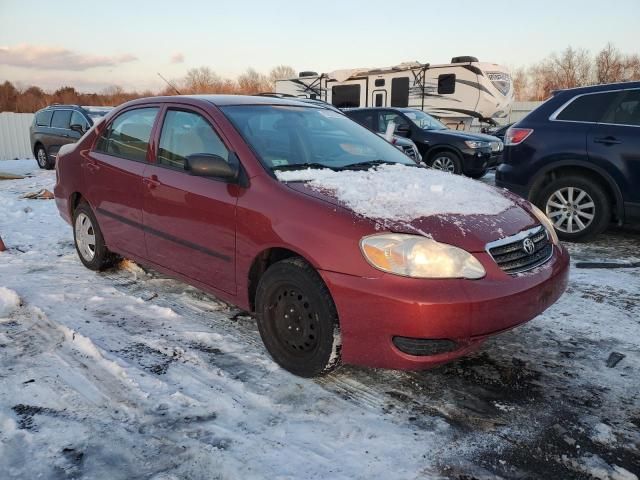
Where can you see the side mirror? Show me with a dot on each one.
(210, 165)
(403, 130)
(76, 127)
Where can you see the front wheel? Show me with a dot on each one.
(446, 162)
(89, 241)
(297, 319)
(578, 207)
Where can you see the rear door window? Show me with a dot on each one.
(187, 133)
(588, 108)
(365, 118)
(61, 119)
(128, 135)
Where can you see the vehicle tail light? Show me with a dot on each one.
(516, 136)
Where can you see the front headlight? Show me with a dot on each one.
(476, 144)
(419, 257)
(544, 220)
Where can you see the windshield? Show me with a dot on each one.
(424, 121)
(288, 137)
(95, 113)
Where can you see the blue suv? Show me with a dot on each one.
(577, 157)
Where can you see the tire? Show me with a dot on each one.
(446, 161)
(297, 319)
(42, 157)
(477, 175)
(89, 241)
(579, 207)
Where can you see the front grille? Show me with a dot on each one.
(510, 254)
(409, 151)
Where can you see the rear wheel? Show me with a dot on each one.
(297, 319)
(446, 162)
(89, 241)
(43, 158)
(578, 207)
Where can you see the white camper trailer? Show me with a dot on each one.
(456, 93)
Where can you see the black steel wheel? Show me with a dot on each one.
(297, 319)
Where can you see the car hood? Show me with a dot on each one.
(460, 135)
(469, 232)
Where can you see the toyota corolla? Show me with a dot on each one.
(344, 248)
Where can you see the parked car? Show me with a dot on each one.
(58, 125)
(402, 143)
(388, 266)
(499, 131)
(577, 157)
(440, 147)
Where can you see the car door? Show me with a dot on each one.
(190, 221)
(615, 139)
(113, 172)
(58, 132)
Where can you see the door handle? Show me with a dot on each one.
(92, 166)
(607, 140)
(151, 182)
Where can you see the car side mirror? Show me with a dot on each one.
(210, 165)
(76, 127)
(403, 130)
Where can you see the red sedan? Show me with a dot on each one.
(345, 249)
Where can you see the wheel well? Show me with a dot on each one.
(260, 264)
(35, 147)
(565, 171)
(435, 150)
(74, 201)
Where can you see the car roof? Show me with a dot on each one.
(226, 100)
(603, 87)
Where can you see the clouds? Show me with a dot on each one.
(54, 58)
(177, 58)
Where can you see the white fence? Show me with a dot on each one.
(14, 135)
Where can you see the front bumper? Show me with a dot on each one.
(477, 160)
(374, 311)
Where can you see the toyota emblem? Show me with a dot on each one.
(528, 246)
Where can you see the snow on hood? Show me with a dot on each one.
(402, 193)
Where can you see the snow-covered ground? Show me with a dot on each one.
(128, 374)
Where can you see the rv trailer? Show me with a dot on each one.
(457, 93)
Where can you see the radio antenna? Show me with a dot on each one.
(169, 83)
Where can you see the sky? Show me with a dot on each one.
(93, 45)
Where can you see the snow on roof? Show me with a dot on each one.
(403, 193)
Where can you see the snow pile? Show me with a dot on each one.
(9, 302)
(398, 192)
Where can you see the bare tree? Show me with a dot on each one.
(281, 72)
(520, 84)
(252, 81)
(609, 65)
(202, 80)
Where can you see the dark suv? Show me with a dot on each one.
(441, 148)
(58, 125)
(577, 157)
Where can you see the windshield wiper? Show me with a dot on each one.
(367, 165)
(302, 166)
